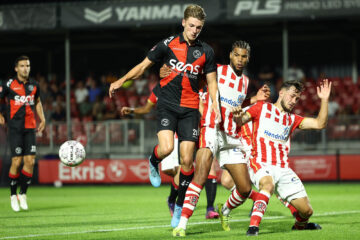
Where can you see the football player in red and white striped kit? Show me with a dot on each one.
(222, 139)
(269, 166)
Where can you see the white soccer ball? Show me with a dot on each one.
(72, 153)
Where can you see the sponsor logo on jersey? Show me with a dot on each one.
(280, 137)
(182, 67)
(20, 100)
(9, 82)
(168, 40)
(229, 101)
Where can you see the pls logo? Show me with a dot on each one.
(97, 17)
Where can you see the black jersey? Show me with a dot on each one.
(188, 63)
(21, 102)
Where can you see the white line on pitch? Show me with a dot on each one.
(166, 226)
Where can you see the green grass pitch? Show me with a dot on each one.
(140, 212)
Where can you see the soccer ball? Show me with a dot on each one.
(72, 153)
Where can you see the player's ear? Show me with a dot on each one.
(183, 22)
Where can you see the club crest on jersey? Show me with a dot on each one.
(31, 87)
(240, 99)
(286, 131)
(197, 54)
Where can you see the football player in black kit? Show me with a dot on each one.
(23, 98)
(178, 103)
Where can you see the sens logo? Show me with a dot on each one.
(19, 100)
(181, 67)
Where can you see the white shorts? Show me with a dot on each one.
(171, 161)
(287, 184)
(208, 139)
(230, 150)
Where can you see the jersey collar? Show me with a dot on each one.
(182, 39)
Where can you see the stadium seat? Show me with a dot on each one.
(353, 131)
(337, 132)
(116, 133)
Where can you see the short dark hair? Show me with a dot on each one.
(241, 44)
(296, 83)
(21, 58)
(195, 11)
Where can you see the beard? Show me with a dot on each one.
(286, 109)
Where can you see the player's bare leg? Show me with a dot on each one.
(227, 181)
(241, 178)
(186, 175)
(14, 179)
(162, 150)
(304, 212)
(211, 188)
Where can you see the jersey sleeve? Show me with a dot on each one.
(37, 94)
(297, 121)
(158, 52)
(255, 109)
(210, 65)
(152, 98)
(2, 90)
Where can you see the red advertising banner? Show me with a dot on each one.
(308, 168)
(349, 167)
(314, 167)
(97, 171)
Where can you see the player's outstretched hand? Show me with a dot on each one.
(237, 111)
(263, 93)
(41, 126)
(125, 111)
(164, 71)
(324, 90)
(114, 86)
(2, 119)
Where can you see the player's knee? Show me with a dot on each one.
(227, 182)
(29, 161)
(16, 161)
(167, 149)
(307, 212)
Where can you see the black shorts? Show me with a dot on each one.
(22, 142)
(184, 122)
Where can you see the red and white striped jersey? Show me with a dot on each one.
(232, 91)
(271, 134)
(246, 131)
